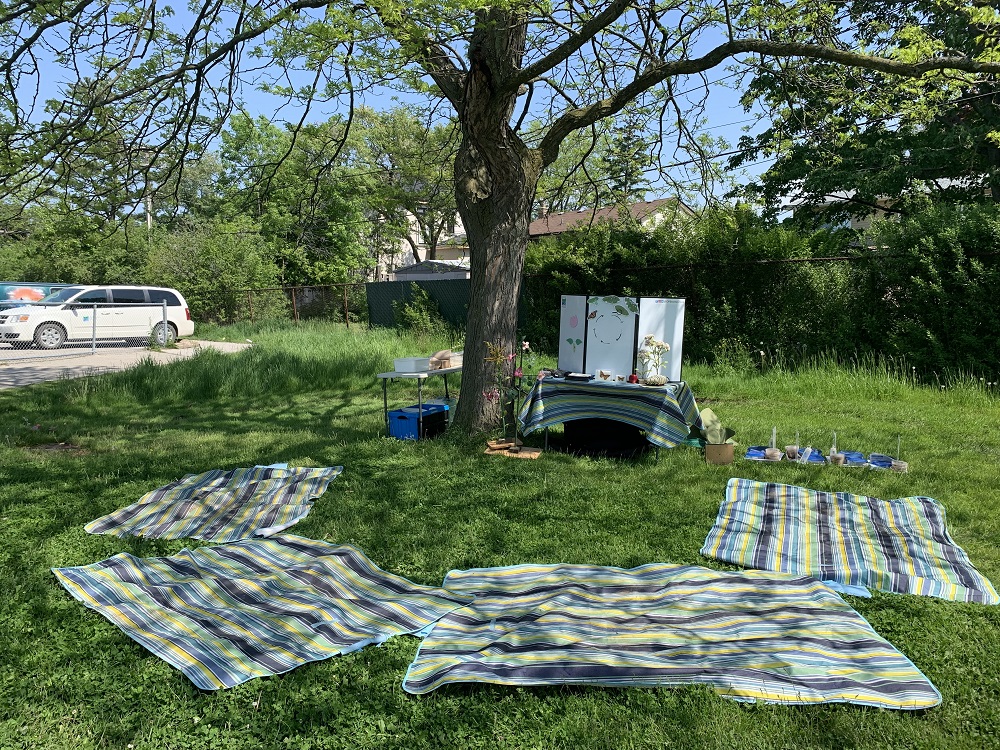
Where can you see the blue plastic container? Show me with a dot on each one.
(403, 422)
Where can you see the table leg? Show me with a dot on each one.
(385, 405)
(546, 438)
(446, 397)
(420, 408)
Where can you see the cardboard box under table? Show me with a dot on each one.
(425, 421)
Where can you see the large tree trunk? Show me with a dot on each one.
(497, 230)
(495, 180)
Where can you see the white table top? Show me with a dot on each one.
(419, 375)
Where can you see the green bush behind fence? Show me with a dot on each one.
(925, 290)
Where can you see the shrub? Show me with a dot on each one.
(211, 263)
(934, 283)
(420, 314)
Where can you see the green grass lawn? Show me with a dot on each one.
(70, 679)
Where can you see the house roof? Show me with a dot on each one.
(435, 266)
(564, 221)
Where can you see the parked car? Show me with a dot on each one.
(79, 313)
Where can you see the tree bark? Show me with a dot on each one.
(495, 180)
(497, 230)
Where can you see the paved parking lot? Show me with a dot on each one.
(26, 366)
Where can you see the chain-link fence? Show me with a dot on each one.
(338, 303)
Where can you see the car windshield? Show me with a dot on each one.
(61, 295)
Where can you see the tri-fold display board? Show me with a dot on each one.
(605, 333)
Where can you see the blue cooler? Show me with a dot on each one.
(403, 422)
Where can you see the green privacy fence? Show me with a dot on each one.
(451, 296)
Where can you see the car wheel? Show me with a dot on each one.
(50, 336)
(158, 337)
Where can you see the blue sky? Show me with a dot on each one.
(724, 115)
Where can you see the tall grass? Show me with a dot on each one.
(287, 359)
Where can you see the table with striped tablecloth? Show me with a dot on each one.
(666, 412)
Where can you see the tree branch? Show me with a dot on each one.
(432, 56)
(561, 53)
(658, 72)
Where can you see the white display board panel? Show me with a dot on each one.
(572, 332)
(664, 319)
(610, 335)
(605, 332)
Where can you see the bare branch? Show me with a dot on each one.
(658, 72)
(561, 53)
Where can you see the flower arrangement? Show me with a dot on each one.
(652, 355)
(506, 388)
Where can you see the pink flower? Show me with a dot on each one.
(511, 356)
(493, 394)
(525, 346)
(518, 373)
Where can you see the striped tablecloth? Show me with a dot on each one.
(750, 636)
(221, 506)
(666, 413)
(851, 541)
(224, 615)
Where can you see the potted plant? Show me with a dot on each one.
(719, 441)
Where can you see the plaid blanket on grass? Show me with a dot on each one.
(750, 636)
(851, 541)
(221, 506)
(224, 615)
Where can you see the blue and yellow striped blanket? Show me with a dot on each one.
(224, 615)
(750, 636)
(851, 541)
(221, 506)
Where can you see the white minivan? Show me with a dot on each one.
(81, 313)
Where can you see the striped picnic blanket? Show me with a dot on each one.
(851, 541)
(750, 636)
(666, 413)
(221, 506)
(224, 615)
